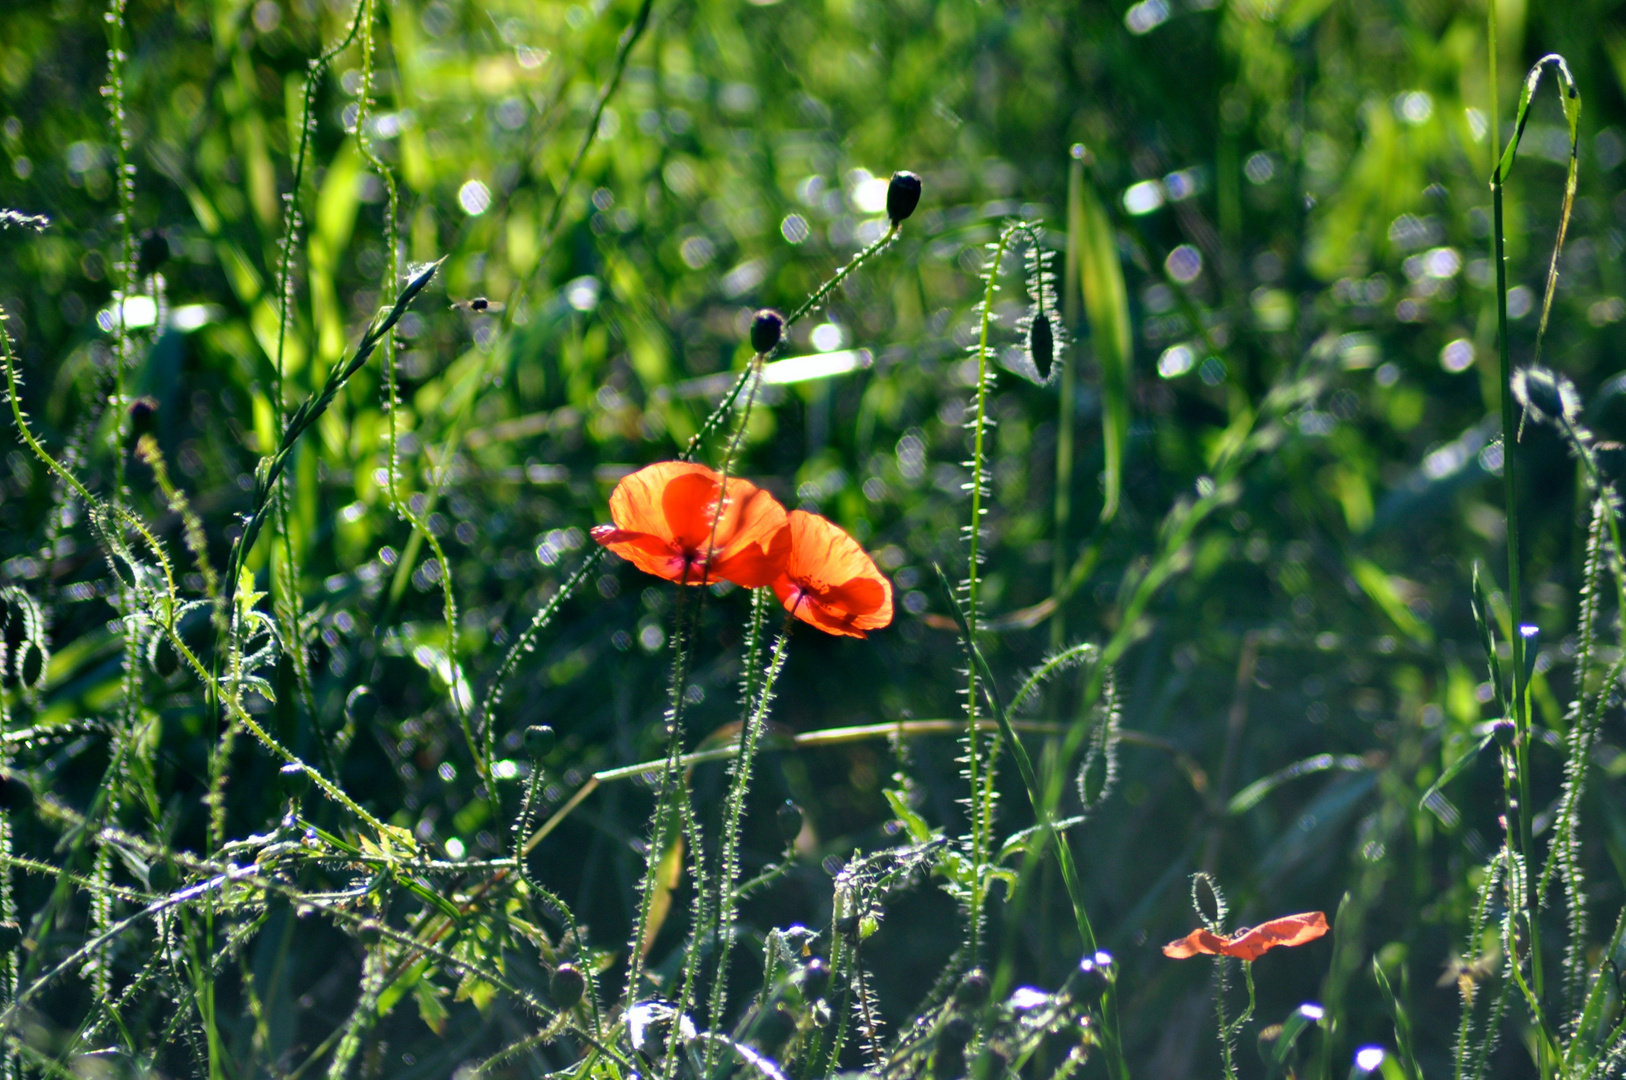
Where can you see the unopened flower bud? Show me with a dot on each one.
(1504, 732)
(539, 741)
(973, 990)
(1544, 394)
(566, 986)
(152, 253)
(295, 781)
(143, 415)
(789, 819)
(902, 196)
(361, 706)
(815, 977)
(1042, 345)
(767, 326)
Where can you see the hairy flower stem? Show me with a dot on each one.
(672, 788)
(980, 803)
(728, 870)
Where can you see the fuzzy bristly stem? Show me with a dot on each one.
(728, 869)
(1112, 1040)
(981, 812)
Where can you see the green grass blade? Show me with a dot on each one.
(1106, 305)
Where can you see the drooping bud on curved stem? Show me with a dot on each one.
(902, 196)
(767, 327)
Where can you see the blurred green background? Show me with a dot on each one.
(1307, 179)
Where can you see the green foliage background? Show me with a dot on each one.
(1337, 155)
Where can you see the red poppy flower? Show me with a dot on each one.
(830, 582)
(668, 523)
(1288, 930)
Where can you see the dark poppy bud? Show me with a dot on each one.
(1042, 345)
(1611, 460)
(361, 706)
(539, 740)
(11, 936)
(15, 795)
(371, 932)
(152, 253)
(767, 326)
(789, 819)
(815, 977)
(902, 196)
(972, 993)
(566, 986)
(949, 1061)
(143, 415)
(1546, 395)
(295, 781)
(957, 1032)
(1504, 732)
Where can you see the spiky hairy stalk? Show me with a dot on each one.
(757, 699)
(979, 811)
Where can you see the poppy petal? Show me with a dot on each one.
(1286, 931)
(830, 582)
(753, 564)
(636, 504)
(648, 553)
(1199, 941)
(689, 503)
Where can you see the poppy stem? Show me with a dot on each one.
(728, 870)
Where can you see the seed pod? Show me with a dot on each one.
(972, 993)
(539, 741)
(566, 986)
(361, 706)
(789, 819)
(1505, 733)
(767, 326)
(1042, 346)
(152, 253)
(15, 794)
(902, 196)
(295, 781)
(371, 932)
